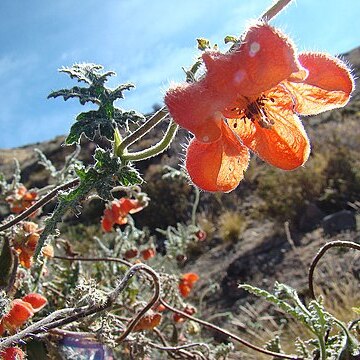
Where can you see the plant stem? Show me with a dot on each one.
(319, 255)
(274, 10)
(141, 131)
(228, 333)
(156, 149)
(195, 205)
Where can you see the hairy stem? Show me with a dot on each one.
(157, 149)
(141, 131)
(319, 255)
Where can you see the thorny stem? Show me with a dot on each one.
(156, 149)
(229, 334)
(39, 204)
(141, 131)
(319, 255)
(274, 10)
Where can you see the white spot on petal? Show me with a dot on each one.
(254, 48)
(205, 139)
(239, 76)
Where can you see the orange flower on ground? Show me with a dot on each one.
(21, 200)
(116, 212)
(21, 310)
(187, 282)
(12, 353)
(25, 242)
(250, 99)
(149, 321)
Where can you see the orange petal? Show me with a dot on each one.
(264, 59)
(37, 301)
(284, 145)
(184, 290)
(328, 85)
(12, 353)
(193, 106)
(190, 277)
(217, 166)
(19, 313)
(148, 322)
(130, 206)
(106, 224)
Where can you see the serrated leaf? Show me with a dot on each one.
(129, 177)
(84, 94)
(89, 123)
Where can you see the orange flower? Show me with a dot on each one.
(21, 200)
(148, 253)
(117, 211)
(187, 282)
(250, 99)
(25, 242)
(20, 311)
(12, 353)
(148, 321)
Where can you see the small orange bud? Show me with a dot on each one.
(148, 321)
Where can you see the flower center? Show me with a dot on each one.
(256, 112)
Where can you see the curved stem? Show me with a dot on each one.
(158, 148)
(229, 334)
(274, 10)
(141, 131)
(39, 204)
(319, 255)
(149, 305)
(79, 258)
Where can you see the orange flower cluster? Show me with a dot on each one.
(250, 98)
(21, 310)
(187, 282)
(21, 200)
(25, 242)
(12, 353)
(116, 212)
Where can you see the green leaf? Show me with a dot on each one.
(128, 176)
(231, 39)
(203, 44)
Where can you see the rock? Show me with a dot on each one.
(339, 221)
(311, 218)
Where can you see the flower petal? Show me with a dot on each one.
(194, 107)
(285, 144)
(37, 301)
(264, 59)
(217, 166)
(328, 85)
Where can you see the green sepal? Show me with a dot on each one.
(203, 44)
(230, 39)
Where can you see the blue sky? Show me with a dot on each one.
(145, 42)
